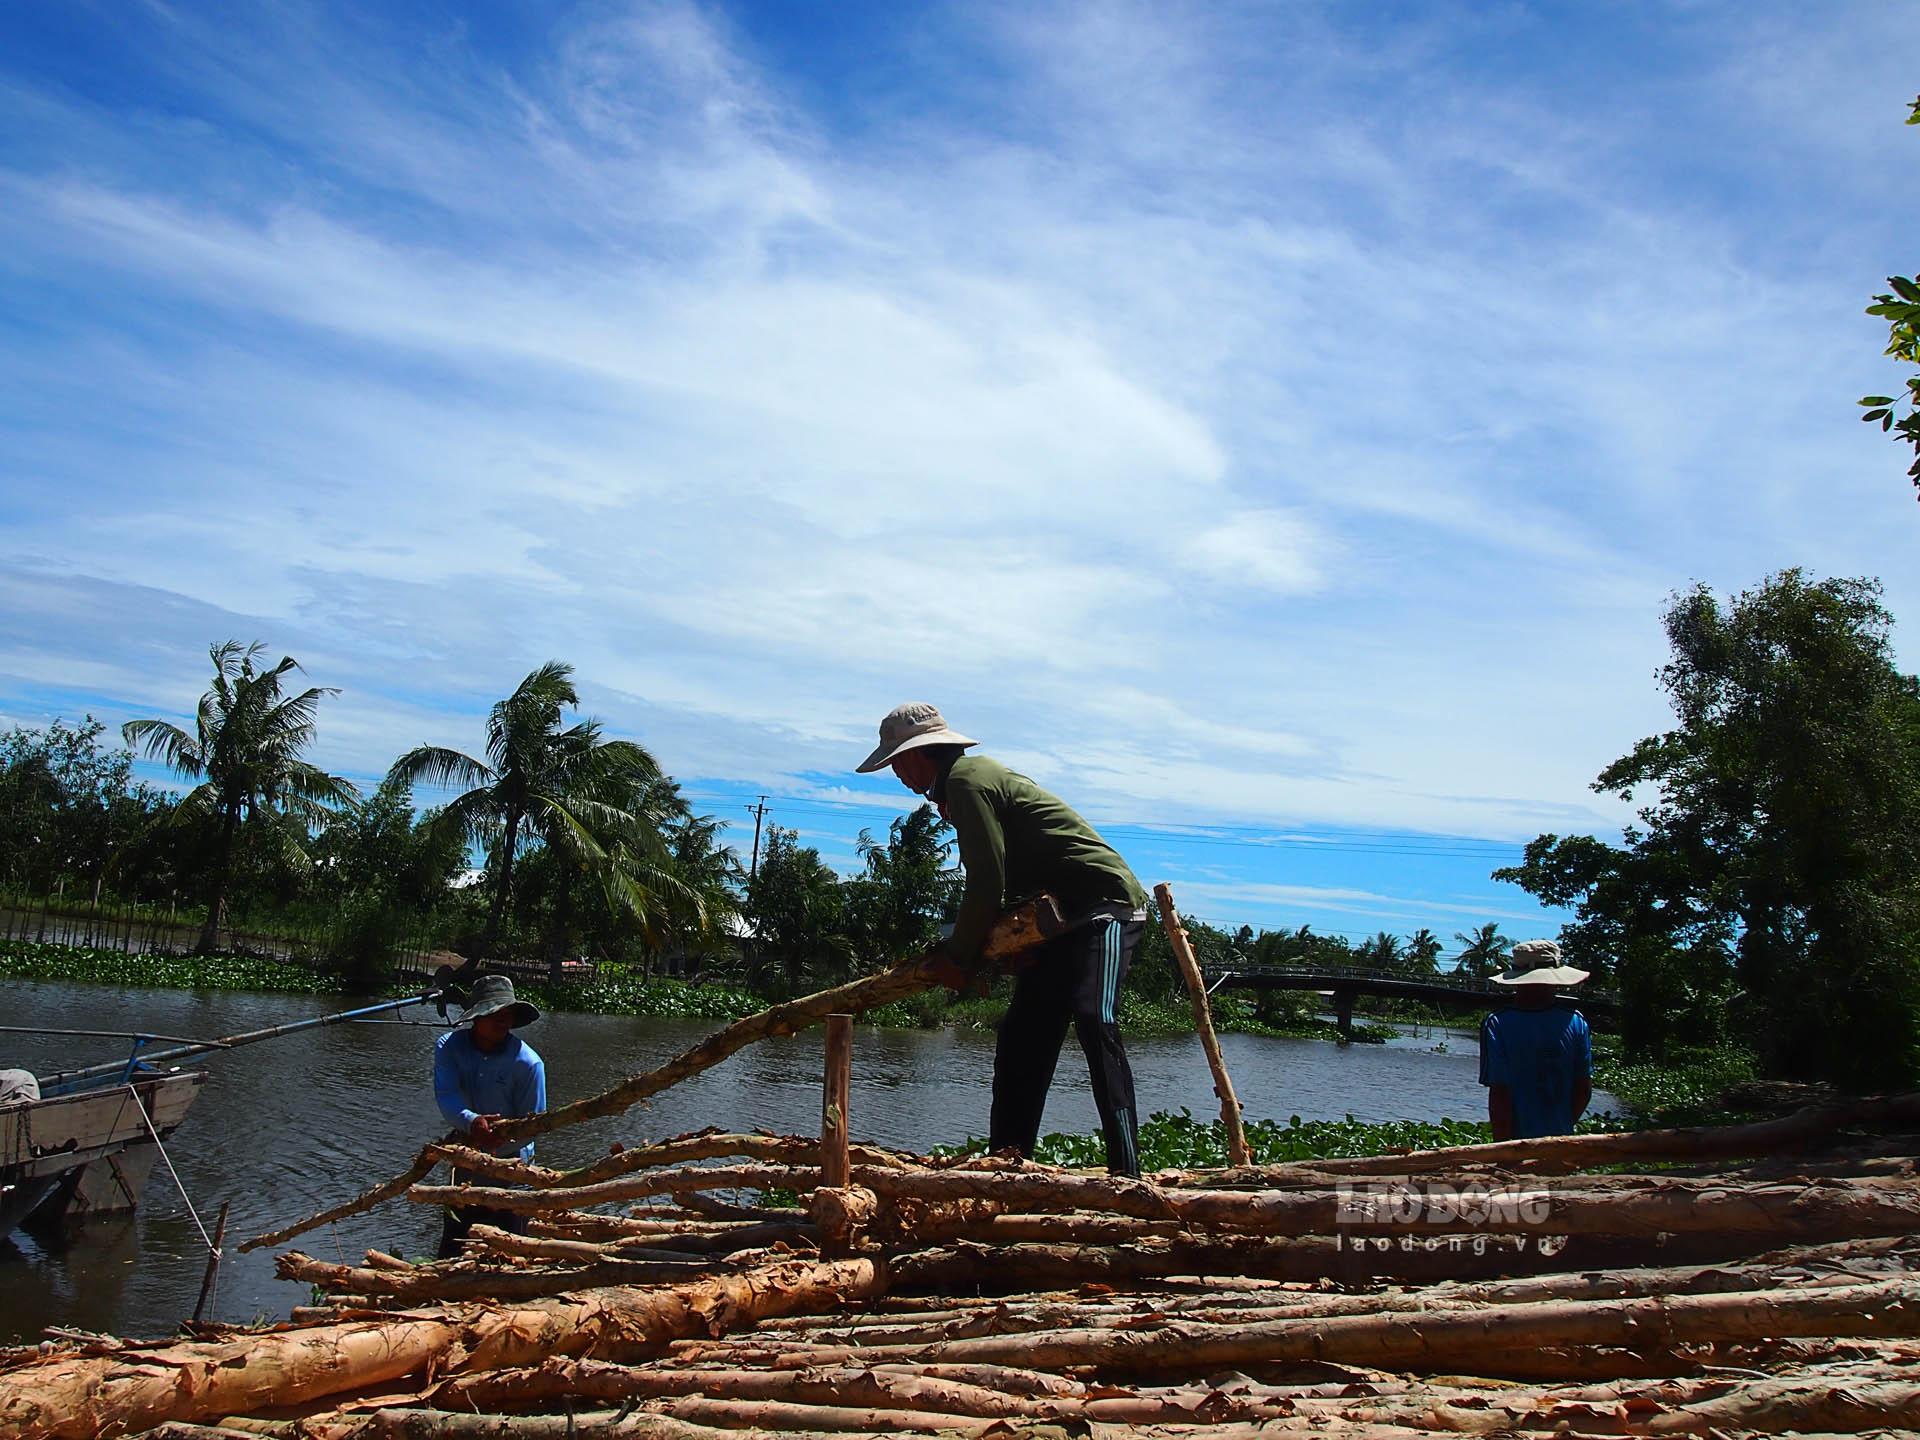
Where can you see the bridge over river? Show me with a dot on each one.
(1451, 992)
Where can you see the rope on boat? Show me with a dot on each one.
(212, 1249)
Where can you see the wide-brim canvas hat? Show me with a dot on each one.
(908, 727)
(1537, 962)
(491, 995)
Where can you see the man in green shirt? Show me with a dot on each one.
(1017, 840)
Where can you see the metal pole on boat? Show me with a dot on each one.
(72, 1079)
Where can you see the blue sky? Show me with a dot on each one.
(1277, 427)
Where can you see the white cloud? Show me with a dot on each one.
(1216, 440)
(1261, 549)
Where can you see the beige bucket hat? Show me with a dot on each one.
(491, 995)
(908, 727)
(1537, 962)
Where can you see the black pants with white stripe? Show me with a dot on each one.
(1076, 978)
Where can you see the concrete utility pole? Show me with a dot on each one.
(757, 811)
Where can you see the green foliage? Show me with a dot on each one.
(895, 908)
(583, 797)
(246, 751)
(1900, 308)
(72, 818)
(1683, 1092)
(798, 913)
(1771, 892)
(1485, 952)
(1180, 1142)
(24, 960)
(620, 992)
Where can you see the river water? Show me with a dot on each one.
(288, 1126)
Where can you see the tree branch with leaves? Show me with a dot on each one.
(1900, 308)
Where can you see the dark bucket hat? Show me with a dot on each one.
(492, 994)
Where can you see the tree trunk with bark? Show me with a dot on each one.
(78, 1398)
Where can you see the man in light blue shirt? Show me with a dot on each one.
(1536, 1057)
(483, 1074)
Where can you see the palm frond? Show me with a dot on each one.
(556, 822)
(473, 819)
(166, 742)
(439, 766)
(310, 782)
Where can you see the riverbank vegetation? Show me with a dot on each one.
(1765, 905)
(1769, 897)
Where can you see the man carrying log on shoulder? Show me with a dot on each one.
(1536, 1056)
(483, 1073)
(1017, 840)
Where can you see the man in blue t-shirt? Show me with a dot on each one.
(483, 1073)
(1536, 1056)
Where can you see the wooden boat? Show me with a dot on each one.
(84, 1149)
(70, 1158)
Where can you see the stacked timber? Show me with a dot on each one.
(1756, 1279)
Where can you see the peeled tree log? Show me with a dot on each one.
(1217, 1261)
(1809, 1268)
(79, 1397)
(462, 1281)
(685, 1179)
(1823, 1211)
(911, 1394)
(1493, 1341)
(837, 1385)
(1013, 934)
(681, 1150)
(1560, 1154)
(483, 1240)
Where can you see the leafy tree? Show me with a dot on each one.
(798, 916)
(245, 751)
(1423, 952)
(379, 868)
(1901, 310)
(1773, 881)
(69, 808)
(896, 906)
(1382, 952)
(562, 785)
(1485, 952)
(707, 869)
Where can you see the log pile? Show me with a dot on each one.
(1576, 1286)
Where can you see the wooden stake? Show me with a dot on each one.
(1237, 1152)
(835, 1166)
(213, 1262)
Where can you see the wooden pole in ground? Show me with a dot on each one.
(1237, 1152)
(835, 1165)
(213, 1261)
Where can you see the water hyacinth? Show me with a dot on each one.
(29, 960)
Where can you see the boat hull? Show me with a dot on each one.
(71, 1158)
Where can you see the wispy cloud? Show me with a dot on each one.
(1234, 415)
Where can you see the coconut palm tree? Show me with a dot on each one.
(245, 751)
(1382, 952)
(1423, 952)
(564, 785)
(1485, 952)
